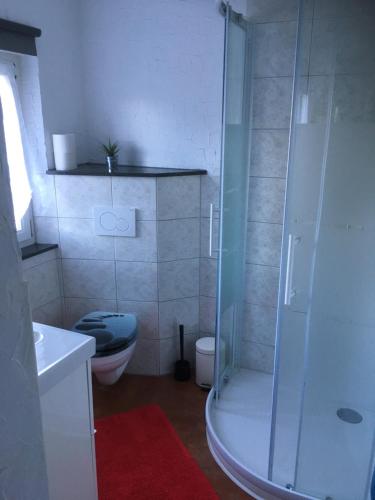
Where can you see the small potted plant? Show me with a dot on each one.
(111, 150)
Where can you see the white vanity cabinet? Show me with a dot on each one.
(64, 373)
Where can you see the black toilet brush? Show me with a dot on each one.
(182, 366)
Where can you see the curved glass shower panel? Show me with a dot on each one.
(324, 408)
(306, 154)
(233, 195)
(338, 412)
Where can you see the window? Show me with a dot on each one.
(14, 132)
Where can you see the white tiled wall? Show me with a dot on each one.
(275, 32)
(155, 275)
(43, 275)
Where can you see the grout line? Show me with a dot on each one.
(114, 254)
(243, 339)
(271, 129)
(200, 253)
(113, 299)
(157, 273)
(131, 261)
(137, 220)
(59, 262)
(281, 21)
(273, 77)
(46, 304)
(265, 222)
(267, 177)
(28, 266)
(262, 265)
(174, 300)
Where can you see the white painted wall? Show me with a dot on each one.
(22, 463)
(59, 58)
(153, 80)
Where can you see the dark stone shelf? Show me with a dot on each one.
(36, 249)
(127, 171)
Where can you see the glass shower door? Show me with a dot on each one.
(324, 403)
(338, 407)
(233, 194)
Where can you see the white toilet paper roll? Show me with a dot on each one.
(64, 148)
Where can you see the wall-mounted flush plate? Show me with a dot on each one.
(118, 221)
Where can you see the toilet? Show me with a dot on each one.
(115, 336)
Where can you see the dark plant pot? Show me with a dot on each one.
(111, 163)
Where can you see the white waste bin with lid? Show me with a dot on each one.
(205, 361)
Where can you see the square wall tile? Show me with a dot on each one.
(272, 102)
(178, 239)
(92, 279)
(343, 8)
(178, 279)
(260, 324)
(262, 284)
(77, 195)
(257, 357)
(274, 49)
(145, 360)
(170, 352)
(205, 237)
(178, 312)
(46, 229)
(44, 198)
(178, 197)
(43, 283)
(208, 277)
(147, 317)
(262, 11)
(75, 309)
(41, 258)
(264, 243)
(210, 193)
(207, 314)
(50, 313)
(266, 200)
(269, 153)
(265, 11)
(139, 193)
(79, 241)
(142, 248)
(136, 281)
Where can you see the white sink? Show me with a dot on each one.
(38, 337)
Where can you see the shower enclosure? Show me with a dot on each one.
(307, 429)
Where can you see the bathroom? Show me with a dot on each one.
(235, 222)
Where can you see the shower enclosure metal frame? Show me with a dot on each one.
(229, 348)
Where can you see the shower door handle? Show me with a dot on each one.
(211, 249)
(290, 292)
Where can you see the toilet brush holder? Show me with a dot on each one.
(182, 366)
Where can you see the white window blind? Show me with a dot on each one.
(15, 142)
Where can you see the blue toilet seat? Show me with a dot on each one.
(113, 332)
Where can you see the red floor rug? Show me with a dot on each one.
(140, 457)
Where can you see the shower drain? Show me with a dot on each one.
(350, 416)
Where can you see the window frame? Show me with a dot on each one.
(25, 235)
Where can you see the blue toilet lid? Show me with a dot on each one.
(113, 332)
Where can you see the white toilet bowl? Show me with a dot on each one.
(110, 368)
(115, 335)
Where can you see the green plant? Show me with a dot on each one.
(111, 149)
